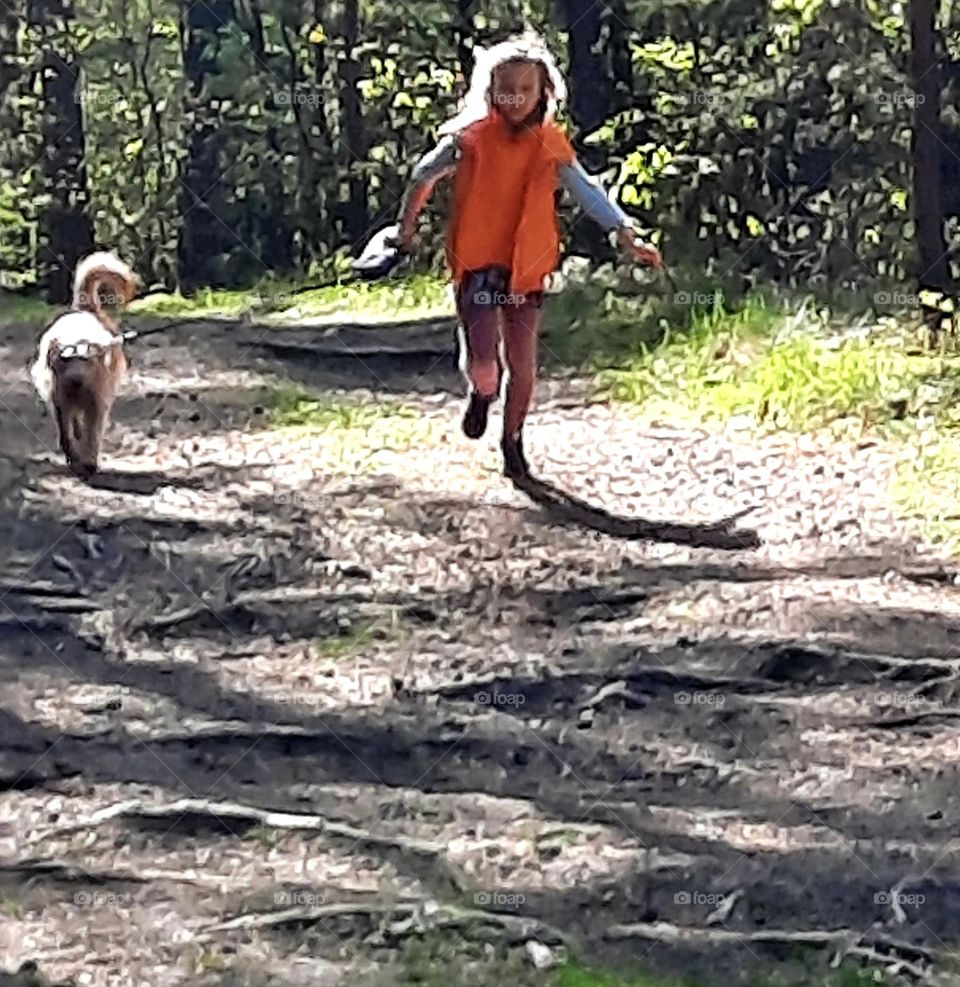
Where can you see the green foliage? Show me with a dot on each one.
(768, 140)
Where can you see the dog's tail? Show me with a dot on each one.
(103, 274)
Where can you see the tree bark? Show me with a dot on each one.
(10, 70)
(353, 135)
(591, 95)
(590, 85)
(66, 231)
(465, 34)
(933, 269)
(205, 236)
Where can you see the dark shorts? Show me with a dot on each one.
(491, 286)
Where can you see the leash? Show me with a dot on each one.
(129, 335)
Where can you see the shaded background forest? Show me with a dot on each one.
(217, 142)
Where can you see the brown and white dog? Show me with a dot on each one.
(80, 362)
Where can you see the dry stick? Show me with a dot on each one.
(448, 915)
(612, 690)
(69, 871)
(667, 932)
(274, 820)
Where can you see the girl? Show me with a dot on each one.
(506, 155)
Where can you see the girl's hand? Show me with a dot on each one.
(641, 252)
(406, 241)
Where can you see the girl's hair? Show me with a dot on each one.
(525, 48)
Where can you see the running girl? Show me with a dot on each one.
(507, 156)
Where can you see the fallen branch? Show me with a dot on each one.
(847, 941)
(235, 811)
(430, 913)
(613, 690)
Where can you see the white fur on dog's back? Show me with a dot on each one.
(105, 261)
(69, 329)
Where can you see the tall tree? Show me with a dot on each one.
(66, 230)
(353, 136)
(10, 69)
(465, 33)
(591, 93)
(205, 236)
(932, 251)
(590, 85)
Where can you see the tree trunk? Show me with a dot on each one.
(590, 85)
(205, 236)
(465, 34)
(591, 92)
(353, 134)
(10, 70)
(933, 269)
(66, 231)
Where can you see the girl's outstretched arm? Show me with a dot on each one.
(589, 195)
(434, 166)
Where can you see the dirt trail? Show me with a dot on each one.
(288, 709)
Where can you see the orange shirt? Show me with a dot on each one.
(504, 207)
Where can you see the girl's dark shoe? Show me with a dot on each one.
(514, 461)
(475, 417)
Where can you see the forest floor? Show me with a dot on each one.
(336, 704)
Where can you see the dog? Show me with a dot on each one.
(80, 361)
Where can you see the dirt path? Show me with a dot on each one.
(330, 708)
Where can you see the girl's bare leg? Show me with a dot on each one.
(521, 336)
(479, 357)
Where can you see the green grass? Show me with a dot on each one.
(293, 407)
(346, 645)
(24, 310)
(360, 437)
(796, 371)
(573, 975)
(417, 297)
(577, 976)
(925, 489)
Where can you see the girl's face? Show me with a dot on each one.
(517, 90)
